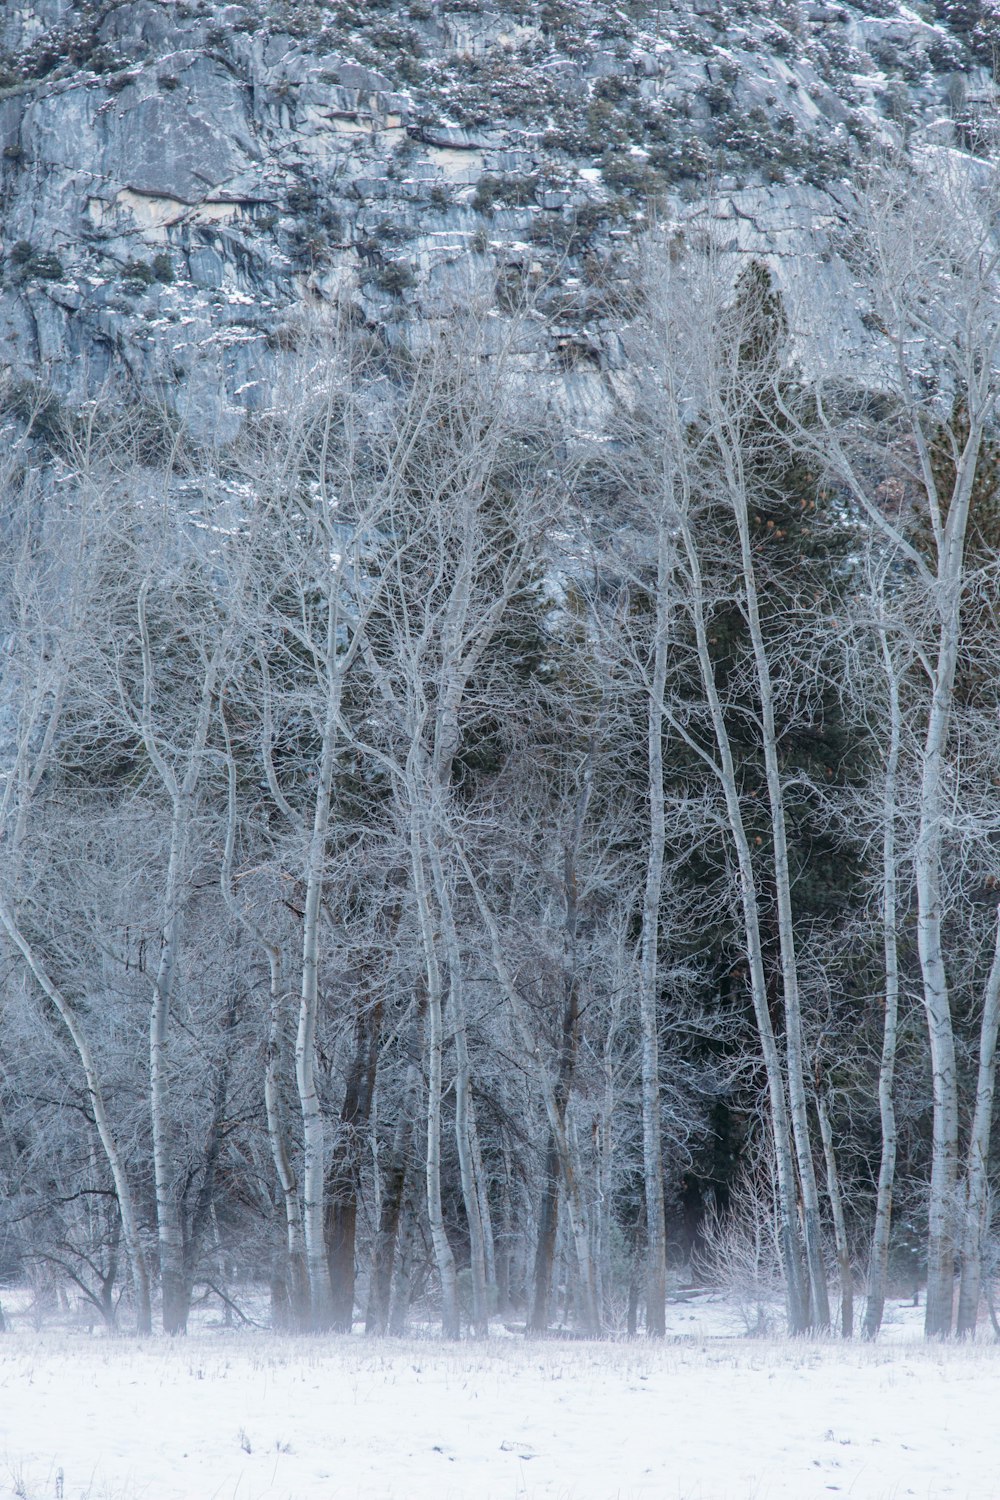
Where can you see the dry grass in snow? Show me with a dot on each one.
(225, 1416)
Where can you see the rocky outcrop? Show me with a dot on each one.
(181, 183)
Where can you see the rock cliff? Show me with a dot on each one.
(181, 181)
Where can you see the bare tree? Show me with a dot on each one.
(923, 247)
(709, 365)
(49, 591)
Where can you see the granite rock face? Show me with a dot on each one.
(184, 185)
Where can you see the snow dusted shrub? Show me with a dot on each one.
(739, 1256)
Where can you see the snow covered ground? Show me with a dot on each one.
(252, 1416)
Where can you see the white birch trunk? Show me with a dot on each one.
(578, 1209)
(463, 1097)
(298, 1268)
(879, 1261)
(652, 1148)
(839, 1222)
(331, 668)
(939, 1312)
(977, 1166)
(443, 1254)
(938, 1319)
(604, 1149)
(313, 1132)
(485, 1213)
(181, 792)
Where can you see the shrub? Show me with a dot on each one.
(137, 276)
(29, 264)
(394, 277)
(629, 174)
(571, 233)
(301, 199)
(46, 266)
(494, 192)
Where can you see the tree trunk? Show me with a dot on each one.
(296, 1269)
(464, 1120)
(204, 1208)
(557, 1165)
(485, 1213)
(649, 998)
(505, 1283)
(402, 1279)
(443, 1255)
(383, 1259)
(394, 1183)
(837, 1212)
(560, 1150)
(879, 1262)
(578, 1213)
(295, 1275)
(939, 1312)
(604, 1155)
(977, 1166)
(545, 1245)
(313, 1132)
(794, 1047)
(182, 799)
(168, 1210)
(173, 1283)
(314, 1145)
(344, 1178)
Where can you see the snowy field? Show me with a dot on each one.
(251, 1416)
